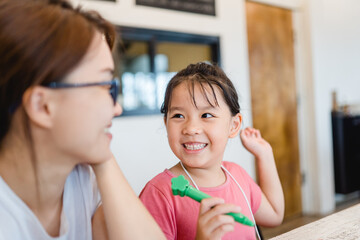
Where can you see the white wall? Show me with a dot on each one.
(327, 58)
(335, 44)
(140, 143)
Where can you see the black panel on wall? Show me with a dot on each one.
(346, 145)
(206, 7)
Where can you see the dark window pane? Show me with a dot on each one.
(137, 80)
(146, 60)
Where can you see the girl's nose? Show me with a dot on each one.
(192, 127)
(117, 109)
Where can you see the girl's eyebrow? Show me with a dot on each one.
(204, 108)
(175, 109)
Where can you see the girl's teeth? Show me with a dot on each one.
(106, 130)
(194, 146)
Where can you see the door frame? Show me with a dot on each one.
(312, 197)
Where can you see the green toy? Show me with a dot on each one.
(180, 186)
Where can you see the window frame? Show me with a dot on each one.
(152, 38)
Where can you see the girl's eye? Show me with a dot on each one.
(207, 115)
(178, 115)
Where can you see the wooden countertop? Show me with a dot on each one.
(341, 225)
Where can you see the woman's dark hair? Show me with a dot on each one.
(41, 41)
(205, 75)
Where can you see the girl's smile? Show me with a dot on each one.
(194, 147)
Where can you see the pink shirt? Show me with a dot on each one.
(177, 216)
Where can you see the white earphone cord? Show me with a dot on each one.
(247, 202)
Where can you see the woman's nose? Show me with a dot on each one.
(192, 127)
(117, 109)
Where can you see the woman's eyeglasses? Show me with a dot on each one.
(114, 86)
(114, 89)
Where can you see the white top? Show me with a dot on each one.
(80, 200)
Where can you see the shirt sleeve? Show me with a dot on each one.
(255, 193)
(160, 208)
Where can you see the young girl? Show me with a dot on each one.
(201, 112)
(57, 101)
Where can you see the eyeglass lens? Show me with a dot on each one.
(114, 90)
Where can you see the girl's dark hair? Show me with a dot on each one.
(41, 41)
(205, 75)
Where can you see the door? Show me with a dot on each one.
(273, 93)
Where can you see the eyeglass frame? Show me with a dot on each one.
(114, 86)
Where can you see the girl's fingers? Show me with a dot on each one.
(220, 209)
(250, 132)
(205, 206)
(222, 230)
(218, 221)
(212, 219)
(245, 133)
(208, 203)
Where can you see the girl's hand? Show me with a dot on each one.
(254, 143)
(213, 223)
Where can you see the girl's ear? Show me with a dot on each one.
(235, 125)
(36, 105)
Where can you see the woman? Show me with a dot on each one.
(57, 100)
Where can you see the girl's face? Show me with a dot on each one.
(83, 115)
(198, 135)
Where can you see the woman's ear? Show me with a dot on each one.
(36, 105)
(235, 125)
